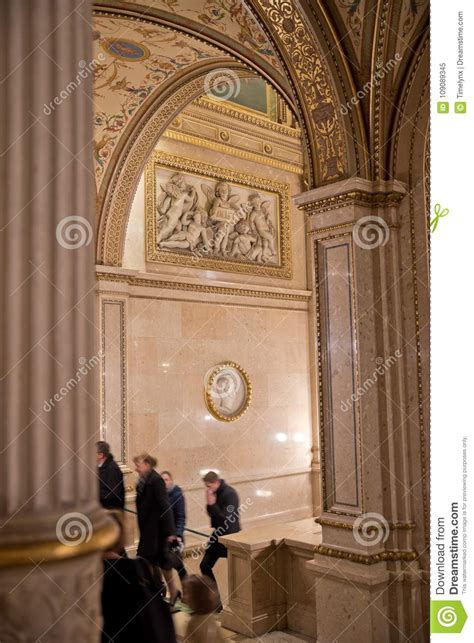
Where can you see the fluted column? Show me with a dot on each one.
(373, 523)
(51, 527)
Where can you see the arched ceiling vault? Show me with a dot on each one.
(322, 57)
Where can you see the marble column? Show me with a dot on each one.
(368, 580)
(51, 526)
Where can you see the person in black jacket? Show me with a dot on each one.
(155, 520)
(111, 488)
(222, 504)
(178, 505)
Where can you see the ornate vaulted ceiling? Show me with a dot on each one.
(318, 54)
(232, 18)
(136, 58)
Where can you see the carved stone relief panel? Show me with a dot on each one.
(216, 218)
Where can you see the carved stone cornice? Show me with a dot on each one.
(170, 284)
(246, 117)
(232, 150)
(380, 200)
(364, 559)
(355, 191)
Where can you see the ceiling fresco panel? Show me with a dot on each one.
(230, 17)
(134, 59)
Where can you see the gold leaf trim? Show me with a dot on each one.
(364, 559)
(54, 550)
(212, 408)
(233, 151)
(337, 524)
(212, 290)
(355, 197)
(245, 117)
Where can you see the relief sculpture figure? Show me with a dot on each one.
(177, 199)
(260, 223)
(239, 226)
(194, 231)
(223, 212)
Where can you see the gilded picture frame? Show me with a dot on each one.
(248, 216)
(227, 391)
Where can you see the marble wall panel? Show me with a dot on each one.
(266, 454)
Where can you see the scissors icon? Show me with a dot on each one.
(439, 214)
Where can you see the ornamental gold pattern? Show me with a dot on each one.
(284, 18)
(201, 288)
(384, 556)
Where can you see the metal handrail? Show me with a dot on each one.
(193, 531)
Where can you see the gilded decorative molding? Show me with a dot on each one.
(338, 524)
(376, 93)
(285, 20)
(233, 150)
(423, 445)
(346, 84)
(211, 389)
(385, 556)
(340, 226)
(401, 108)
(354, 197)
(54, 550)
(236, 114)
(200, 288)
(275, 189)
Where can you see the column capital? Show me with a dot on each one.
(352, 191)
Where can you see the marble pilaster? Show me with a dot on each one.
(369, 514)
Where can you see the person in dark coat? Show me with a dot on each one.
(222, 504)
(155, 520)
(178, 505)
(111, 487)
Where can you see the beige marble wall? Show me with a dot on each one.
(173, 337)
(172, 345)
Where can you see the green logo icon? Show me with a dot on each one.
(460, 108)
(439, 214)
(447, 617)
(443, 107)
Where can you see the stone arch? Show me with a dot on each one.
(331, 144)
(135, 150)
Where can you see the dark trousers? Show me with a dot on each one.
(181, 569)
(214, 551)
